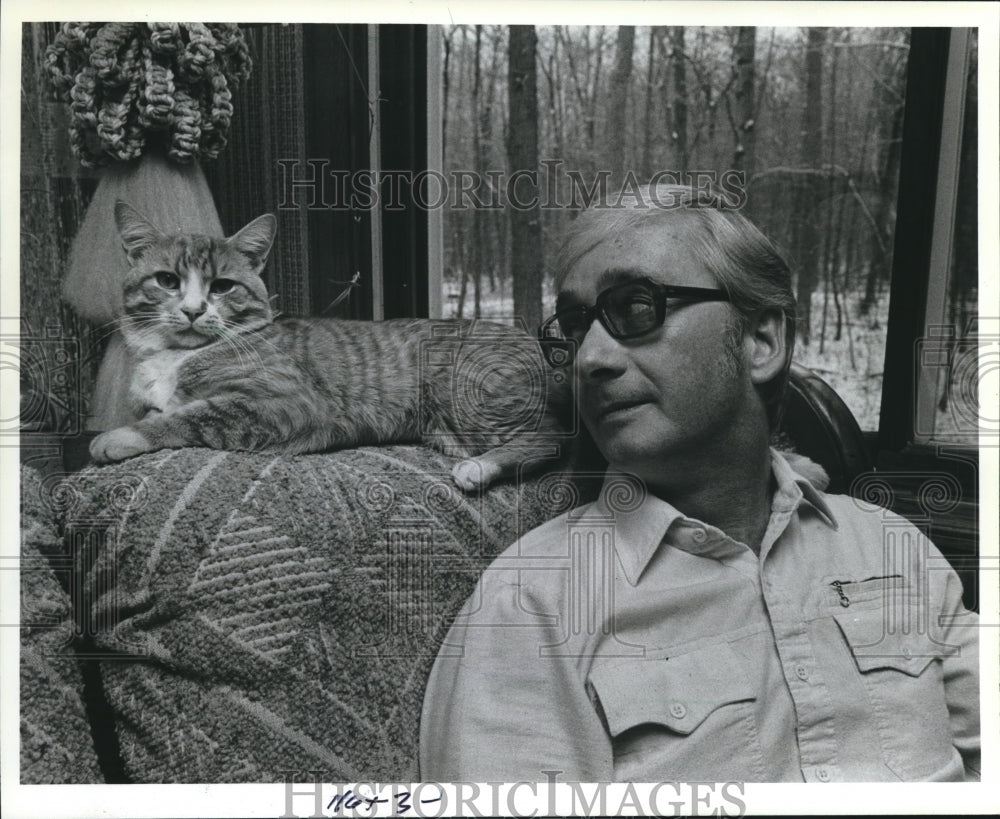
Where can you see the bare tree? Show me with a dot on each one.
(745, 124)
(621, 77)
(556, 115)
(522, 154)
(679, 133)
(888, 87)
(586, 79)
(647, 120)
(479, 152)
(811, 156)
(461, 233)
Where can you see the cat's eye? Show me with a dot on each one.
(220, 287)
(168, 281)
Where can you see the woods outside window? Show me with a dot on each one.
(811, 120)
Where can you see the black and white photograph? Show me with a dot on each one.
(528, 409)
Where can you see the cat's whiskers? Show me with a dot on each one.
(252, 360)
(119, 323)
(252, 336)
(143, 330)
(239, 345)
(152, 332)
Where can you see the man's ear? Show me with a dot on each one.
(136, 231)
(255, 239)
(766, 346)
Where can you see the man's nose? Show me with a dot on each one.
(600, 356)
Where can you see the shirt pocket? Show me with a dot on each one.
(903, 677)
(851, 592)
(689, 715)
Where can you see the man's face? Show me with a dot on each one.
(680, 391)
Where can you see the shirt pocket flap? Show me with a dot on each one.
(678, 692)
(873, 644)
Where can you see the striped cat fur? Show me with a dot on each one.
(215, 370)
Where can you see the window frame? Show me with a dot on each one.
(924, 232)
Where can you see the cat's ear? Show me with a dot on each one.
(256, 238)
(136, 231)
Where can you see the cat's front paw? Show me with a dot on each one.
(475, 473)
(118, 444)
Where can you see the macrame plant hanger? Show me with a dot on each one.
(148, 102)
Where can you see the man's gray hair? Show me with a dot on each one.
(743, 261)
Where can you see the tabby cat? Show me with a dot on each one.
(213, 368)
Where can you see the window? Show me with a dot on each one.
(812, 118)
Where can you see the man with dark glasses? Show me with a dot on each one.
(713, 616)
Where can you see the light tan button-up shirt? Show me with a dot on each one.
(625, 641)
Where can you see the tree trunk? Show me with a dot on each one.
(522, 154)
(555, 102)
(490, 248)
(746, 115)
(479, 232)
(811, 157)
(449, 247)
(445, 88)
(679, 134)
(594, 83)
(889, 134)
(621, 77)
(647, 122)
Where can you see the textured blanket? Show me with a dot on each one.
(255, 614)
(56, 742)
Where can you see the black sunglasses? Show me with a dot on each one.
(626, 311)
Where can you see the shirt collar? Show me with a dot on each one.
(793, 489)
(641, 519)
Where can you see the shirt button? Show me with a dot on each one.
(822, 774)
(802, 672)
(677, 710)
(699, 536)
